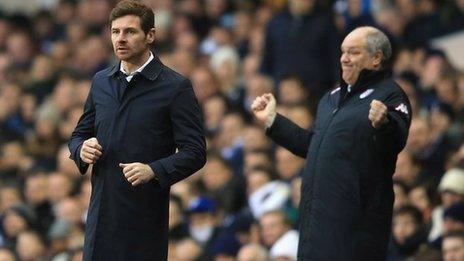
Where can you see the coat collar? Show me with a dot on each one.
(150, 72)
(366, 79)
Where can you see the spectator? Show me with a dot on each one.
(178, 229)
(6, 255)
(30, 246)
(222, 185)
(16, 220)
(408, 233)
(314, 43)
(252, 252)
(60, 187)
(277, 234)
(265, 194)
(288, 165)
(451, 190)
(187, 250)
(454, 218)
(292, 91)
(37, 198)
(453, 246)
(203, 226)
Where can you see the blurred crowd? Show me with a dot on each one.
(243, 205)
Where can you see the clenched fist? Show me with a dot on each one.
(91, 151)
(137, 173)
(378, 114)
(264, 109)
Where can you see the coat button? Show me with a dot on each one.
(335, 111)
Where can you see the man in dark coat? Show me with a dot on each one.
(361, 126)
(137, 114)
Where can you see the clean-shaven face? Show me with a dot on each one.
(355, 56)
(129, 40)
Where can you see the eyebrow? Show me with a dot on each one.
(350, 47)
(124, 28)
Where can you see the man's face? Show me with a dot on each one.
(453, 249)
(419, 136)
(403, 227)
(355, 56)
(272, 228)
(129, 40)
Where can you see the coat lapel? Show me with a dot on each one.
(141, 83)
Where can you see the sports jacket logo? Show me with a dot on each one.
(366, 93)
(402, 108)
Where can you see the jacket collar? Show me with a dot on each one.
(150, 72)
(366, 79)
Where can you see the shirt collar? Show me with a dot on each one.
(150, 58)
(150, 70)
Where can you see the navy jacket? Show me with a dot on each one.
(347, 191)
(157, 114)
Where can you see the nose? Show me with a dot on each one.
(344, 58)
(121, 37)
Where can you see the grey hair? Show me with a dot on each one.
(376, 41)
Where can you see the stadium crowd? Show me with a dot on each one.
(243, 205)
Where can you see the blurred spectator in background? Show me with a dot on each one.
(453, 246)
(451, 190)
(204, 226)
(278, 236)
(178, 229)
(6, 255)
(223, 186)
(252, 252)
(30, 246)
(409, 233)
(302, 40)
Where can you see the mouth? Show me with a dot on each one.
(347, 67)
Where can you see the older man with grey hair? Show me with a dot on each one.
(361, 126)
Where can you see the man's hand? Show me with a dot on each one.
(264, 109)
(137, 173)
(91, 151)
(378, 114)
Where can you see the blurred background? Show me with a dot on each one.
(243, 205)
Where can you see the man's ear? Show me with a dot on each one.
(377, 59)
(151, 36)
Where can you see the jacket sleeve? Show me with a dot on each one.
(189, 138)
(394, 134)
(290, 136)
(83, 131)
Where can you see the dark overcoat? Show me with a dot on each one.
(347, 191)
(152, 116)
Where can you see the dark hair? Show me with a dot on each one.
(293, 77)
(215, 155)
(455, 234)
(127, 7)
(411, 211)
(270, 173)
